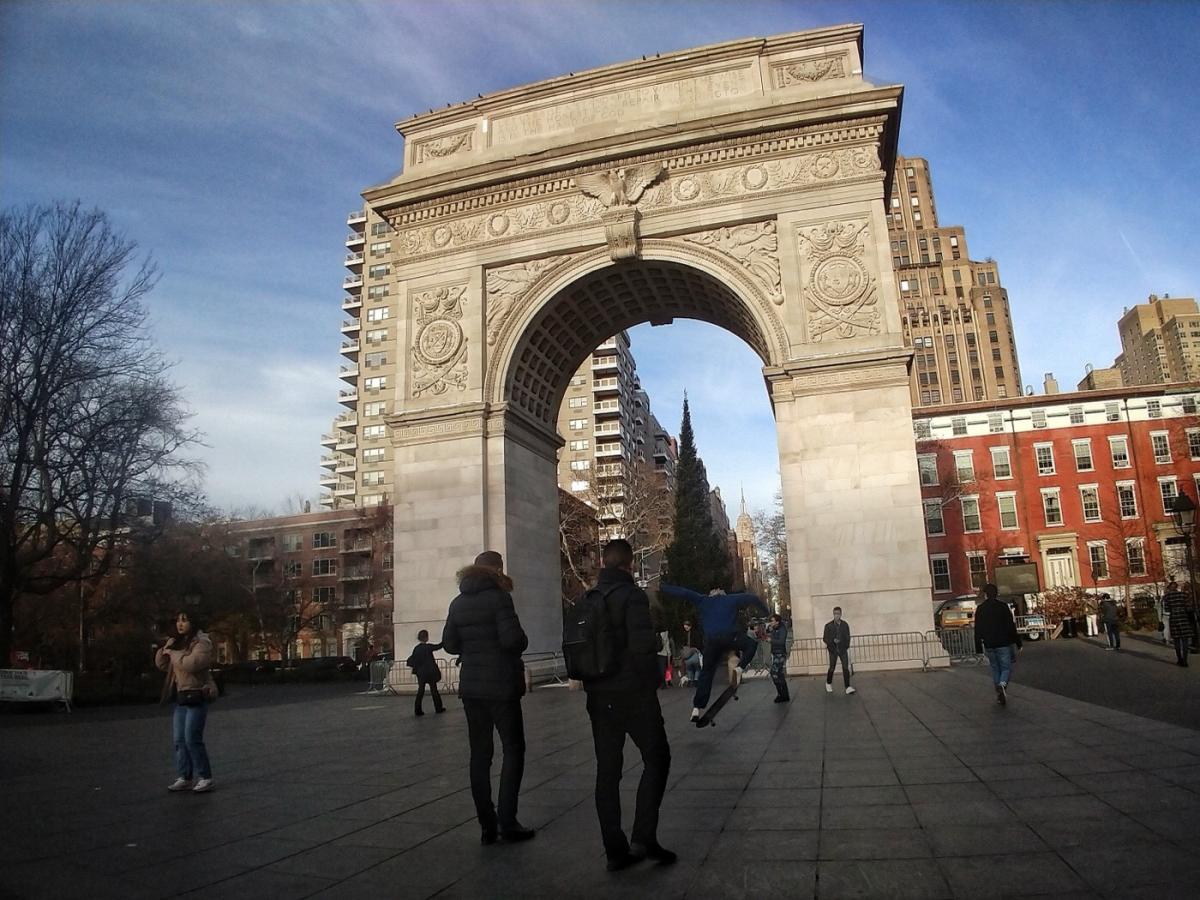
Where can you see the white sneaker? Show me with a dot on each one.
(180, 784)
(829, 688)
(696, 713)
(203, 786)
(851, 690)
(735, 677)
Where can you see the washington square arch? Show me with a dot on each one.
(742, 184)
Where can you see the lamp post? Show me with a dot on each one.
(1183, 516)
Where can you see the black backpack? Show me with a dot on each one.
(591, 645)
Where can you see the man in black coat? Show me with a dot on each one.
(626, 703)
(837, 642)
(483, 630)
(424, 666)
(996, 634)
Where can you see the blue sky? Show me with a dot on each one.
(230, 140)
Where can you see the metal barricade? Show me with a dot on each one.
(900, 646)
(958, 644)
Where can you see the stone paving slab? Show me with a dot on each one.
(918, 786)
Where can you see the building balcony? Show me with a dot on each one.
(357, 547)
(608, 451)
(356, 601)
(346, 466)
(355, 239)
(351, 327)
(328, 480)
(348, 441)
(354, 261)
(353, 282)
(607, 408)
(346, 420)
(355, 573)
(344, 489)
(348, 373)
(328, 461)
(328, 439)
(608, 429)
(350, 304)
(358, 217)
(326, 500)
(350, 348)
(348, 398)
(260, 554)
(605, 364)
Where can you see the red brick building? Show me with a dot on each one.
(1081, 484)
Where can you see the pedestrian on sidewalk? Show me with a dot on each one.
(625, 702)
(718, 616)
(1112, 621)
(185, 657)
(996, 635)
(664, 652)
(779, 654)
(837, 642)
(425, 667)
(691, 656)
(483, 631)
(1177, 608)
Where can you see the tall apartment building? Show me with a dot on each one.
(1160, 341)
(954, 309)
(613, 441)
(357, 462)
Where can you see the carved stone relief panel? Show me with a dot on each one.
(841, 295)
(810, 71)
(439, 350)
(443, 147)
(754, 247)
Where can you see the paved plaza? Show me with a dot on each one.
(918, 786)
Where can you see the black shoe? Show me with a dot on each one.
(656, 852)
(624, 861)
(440, 711)
(1001, 697)
(516, 834)
(489, 836)
(419, 713)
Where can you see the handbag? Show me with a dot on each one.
(190, 697)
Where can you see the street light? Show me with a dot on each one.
(1183, 516)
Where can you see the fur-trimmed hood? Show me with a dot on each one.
(473, 579)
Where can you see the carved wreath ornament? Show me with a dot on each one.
(839, 291)
(440, 348)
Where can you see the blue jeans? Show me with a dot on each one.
(191, 759)
(692, 663)
(1001, 660)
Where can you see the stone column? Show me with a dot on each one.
(851, 496)
(471, 478)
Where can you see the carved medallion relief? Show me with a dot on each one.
(841, 298)
(439, 351)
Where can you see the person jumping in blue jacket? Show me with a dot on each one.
(718, 616)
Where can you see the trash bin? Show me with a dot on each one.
(1068, 628)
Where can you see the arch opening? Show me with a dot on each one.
(588, 311)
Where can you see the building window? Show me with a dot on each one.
(293, 568)
(322, 539)
(577, 486)
(964, 466)
(376, 359)
(927, 467)
(580, 465)
(375, 383)
(325, 595)
(1044, 454)
(1076, 413)
(995, 423)
(977, 563)
(1168, 490)
(939, 568)
(1135, 557)
(921, 429)
(1083, 455)
(958, 426)
(1127, 499)
(1089, 497)
(1154, 409)
(378, 314)
(1112, 412)
(1193, 439)
(577, 402)
(970, 514)
(375, 408)
(371, 479)
(374, 432)
(1161, 447)
(1038, 418)
(376, 291)
(1052, 506)
(1188, 402)
(577, 424)
(378, 228)
(1098, 557)
(293, 543)
(373, 455)
(380, 248)
(1118, 447)
(578, 380)
(377, 335)
(934, 524)
(380, 270)
(1001, 465)
(580, 444)
(1007, 504)
(324, 566)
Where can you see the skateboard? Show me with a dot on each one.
(710, 714)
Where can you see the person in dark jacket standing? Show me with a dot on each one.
(837, 642)
(996, 634)
(1177, 610)
(1112, 621)
(626, 703)
(425, 667)
(779, 654)
(483, 630)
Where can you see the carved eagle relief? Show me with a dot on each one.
(622, 187)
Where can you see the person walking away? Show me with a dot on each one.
(483, 631)
(779, 654)
(996, 635)
(186, 657)
(691, 656)
(837, 643)
(1112, 621)
(1177, 609)
(625, 702)
(428, 673)
(718, 616)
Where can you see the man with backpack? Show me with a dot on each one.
(610, 645)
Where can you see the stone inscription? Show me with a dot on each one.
(575, 114)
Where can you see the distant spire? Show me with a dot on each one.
(742, 491)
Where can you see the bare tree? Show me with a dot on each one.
(88, 418)
(578, 543)
(770, 533)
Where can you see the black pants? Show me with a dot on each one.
(503, 716)
(639, 716)
(834, 656)
(1182, 646)
(433, 692)
(715, 648)
(1113, 630)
